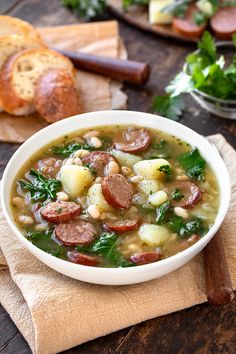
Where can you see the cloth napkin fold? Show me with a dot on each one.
(54, 312)
(96, 92)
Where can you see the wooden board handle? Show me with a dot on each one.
(132, 71)
(218, 282)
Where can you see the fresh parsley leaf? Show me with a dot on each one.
(199, 18)
(162, 212)
(182, 83)
(106, 246)
(169, 107)
(167, 170)
(207, 46)
(68, 149)
(87, 9)
(176, 194)
(177, 8)
(40, 188)
(193, 164)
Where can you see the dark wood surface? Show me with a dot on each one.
(201, 329)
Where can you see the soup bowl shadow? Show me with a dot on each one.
(116, 276)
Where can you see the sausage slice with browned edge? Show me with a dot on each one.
(121, 226)
(80, 258)
(190, 191)
(75, 233)
(117, 191)
(98, 160)
(133, 140)
(186, 25)
(223, 23)
(60, 211)
(145, 257)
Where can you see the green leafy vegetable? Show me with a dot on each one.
(106, 246)
(163, 212)
(40, 188)
(176, 194)
(199, 18)
(87, 9)
(193, 164)
(168, 106)
(68, 149)
(43, 240)
(177, 8)
(128, 3)
(167, 170)
(182, 83)
(186, 229)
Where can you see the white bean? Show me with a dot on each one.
(40, 227)
(94, 211)
(133, 247)
(18, 201)
(98, 180)
(136, 179)
(181, 212)
(111, 167)
(94, 142)
(69, 161)
(126, 171)
(81, 153)
(90, 134)
(78, 161)
(182, 178)
(25, 219)
(62, 196)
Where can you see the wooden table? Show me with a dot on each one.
(201, 329)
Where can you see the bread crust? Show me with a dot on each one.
(56, 96)
(11, 101)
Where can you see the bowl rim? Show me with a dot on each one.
(205, 95)
(119, 270)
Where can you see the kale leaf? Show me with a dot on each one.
(44, 241)
(176, 194)
(163, 212)
(168, 106)
(193, 164)
(167, 170)
(68, 149)
(106, 246)
(40, 188)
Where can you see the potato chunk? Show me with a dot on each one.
(153, 235)
(75, 179)
(149, 186)
(149, 169)
(124, 158)
(96, 198)
(158, 198)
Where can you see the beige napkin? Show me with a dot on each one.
(97, 92)
(54, 312)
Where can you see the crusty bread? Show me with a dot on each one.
(14, 43)
(20, 74)
(13, 25)
(56, 96)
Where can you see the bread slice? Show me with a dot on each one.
(20, 74)
(56, 96)
(14, 43)
(13, 25)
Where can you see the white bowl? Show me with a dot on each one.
(116, 276)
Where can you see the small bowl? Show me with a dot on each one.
(219, 107)
(115, 276)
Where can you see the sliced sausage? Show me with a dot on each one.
(49, 166)
(60, 211)
(186, 25)
(134, 140)
(191, 194)
(145, 257)
(75, 233)
(98, 160)
(117, 191)
(223, 23)
(80, 258)
(121, 226)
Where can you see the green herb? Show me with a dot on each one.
(44, 241)
(185, 229)
(168, 106)
(128, 3)
(68, 149)
(167, 170)
(175, 223)
(161, 145)
(87, 9)
(106, 246)
(40, 188)
(199, 18)
(182, 83)
(176, 194)
(177, 8)
(163, 212)
(193, 164)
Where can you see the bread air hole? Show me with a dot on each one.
(24, 66)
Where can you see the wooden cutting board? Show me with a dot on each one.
(138, 16)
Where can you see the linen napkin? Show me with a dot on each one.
(54, 312)
(96, 92)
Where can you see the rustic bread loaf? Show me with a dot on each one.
(13, 25)
(56, 96)
(19, 76)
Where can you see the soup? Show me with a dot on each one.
(116, 196)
